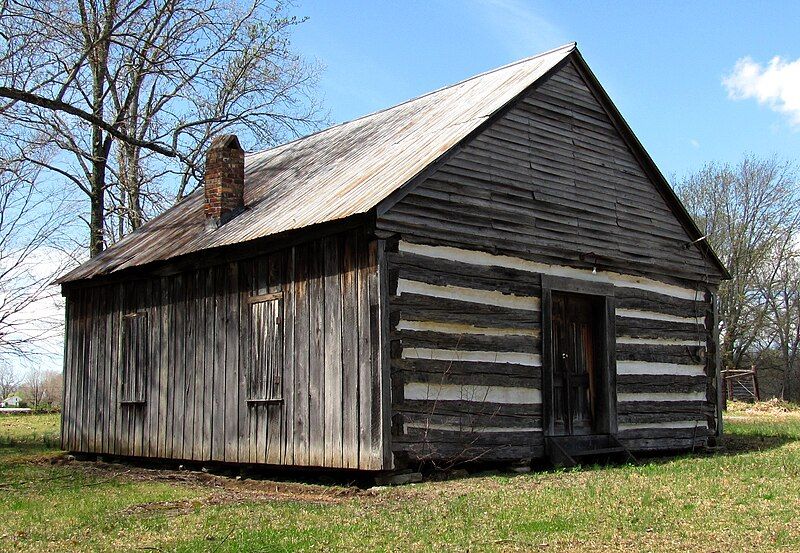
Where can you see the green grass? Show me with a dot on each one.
(747, 498)
(29, 429)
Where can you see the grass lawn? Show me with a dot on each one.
(745, 499)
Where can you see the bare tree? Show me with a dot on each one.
(33, 387)
(782, 297)
(31, 256)
(52, 387)
(133, 90)
(750, 214)
(9, 381)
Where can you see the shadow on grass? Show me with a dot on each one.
(29, 449)
(750, 442)
(37, 440)
(740, 438)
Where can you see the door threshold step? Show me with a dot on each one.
(602, 451)
(565, 451)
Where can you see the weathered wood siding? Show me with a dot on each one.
(549, 188)
(331, 408)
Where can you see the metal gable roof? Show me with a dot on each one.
(333, 174)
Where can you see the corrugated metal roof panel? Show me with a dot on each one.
(333, 174)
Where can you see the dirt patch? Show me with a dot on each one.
(223, 489)
(173, 508)
(219, 489)
(275, 490)
(224, 493)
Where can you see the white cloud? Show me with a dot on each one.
(517, 26)
(695, 143)
(776, 85)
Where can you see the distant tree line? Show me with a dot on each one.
(38, 389)
(750, 214)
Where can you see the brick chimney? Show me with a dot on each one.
(224, 180)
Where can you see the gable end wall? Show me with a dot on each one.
(549, 188)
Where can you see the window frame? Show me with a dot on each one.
(272, 376)
(134, 368)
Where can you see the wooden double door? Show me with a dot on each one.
(577, 374)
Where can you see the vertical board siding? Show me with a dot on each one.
(286, 454)
(209, 303)
(162, 437)
(199, 323)
(350, 378)
(364, 359)
(198, 352)
(547, 186)
(333, 354)
(302, 341)
(316, 351)
(231, 366)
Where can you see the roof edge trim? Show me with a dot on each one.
(570, 46)
(403, 190)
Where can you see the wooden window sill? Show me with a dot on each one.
(265, 297)
(274, 401)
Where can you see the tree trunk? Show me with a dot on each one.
(97, 200)
(135, 215)
(101, 146)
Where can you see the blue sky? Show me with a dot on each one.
(662, 63)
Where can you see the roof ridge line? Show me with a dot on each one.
(569, 45)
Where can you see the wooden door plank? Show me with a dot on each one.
(274, 413)
(258, 419)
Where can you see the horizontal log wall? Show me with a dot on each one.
(466, 362)
(331, 411)
(549, 188)
(553, 181)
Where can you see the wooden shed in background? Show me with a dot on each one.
(495, 270)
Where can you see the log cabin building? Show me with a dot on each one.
(493, 271)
